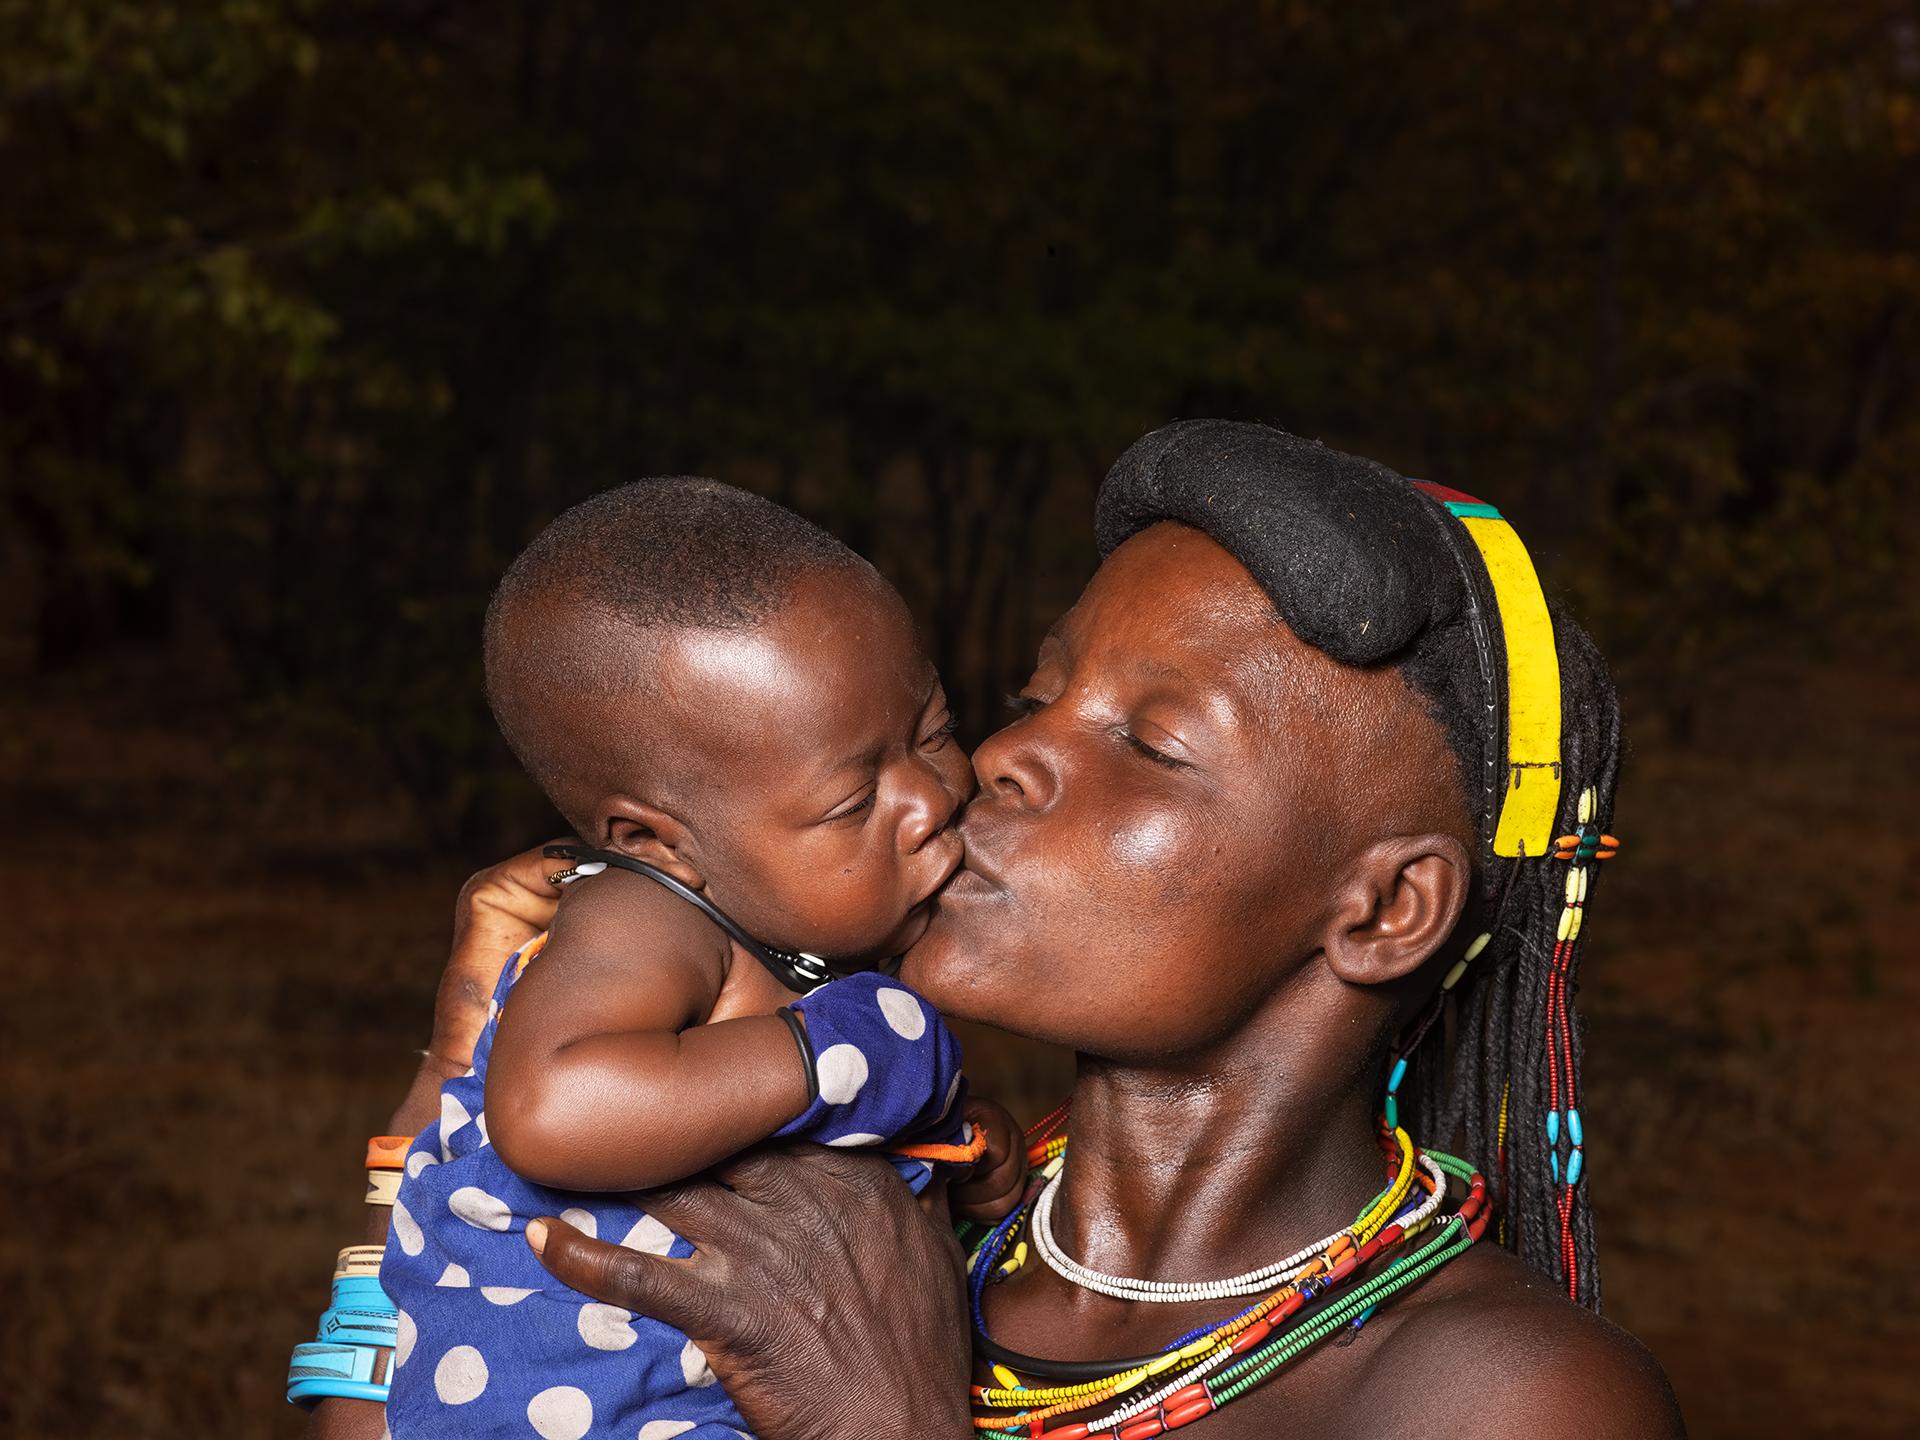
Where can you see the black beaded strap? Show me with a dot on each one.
(798, 972)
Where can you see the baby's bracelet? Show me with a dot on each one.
(799, 1029)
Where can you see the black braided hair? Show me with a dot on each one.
(1367, 569)
(1498, 1062)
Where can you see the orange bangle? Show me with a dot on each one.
(388, 1152)
(951, 1154)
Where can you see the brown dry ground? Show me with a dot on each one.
(220, 955)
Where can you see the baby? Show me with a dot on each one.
(733, 711)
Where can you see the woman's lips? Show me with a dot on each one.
(969, 879)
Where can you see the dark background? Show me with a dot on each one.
(311, 313)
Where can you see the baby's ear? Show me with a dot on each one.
(1396, 906)
(649, 834)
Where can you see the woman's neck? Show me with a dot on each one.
(1208, 1170)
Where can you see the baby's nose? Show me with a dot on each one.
(933, 806)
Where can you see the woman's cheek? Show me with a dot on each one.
(1156, 841)
(1150, 865)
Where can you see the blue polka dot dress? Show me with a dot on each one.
(490, 1344)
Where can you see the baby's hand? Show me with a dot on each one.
(992, 1187)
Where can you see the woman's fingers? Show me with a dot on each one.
(668, 1290)
(781, 1178)
(514, 892)
(698, 1207)
(499, 910)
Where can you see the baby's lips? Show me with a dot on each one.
(950, 840)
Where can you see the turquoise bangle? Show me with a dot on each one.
(351, 1326)
(361, 1313)
(361, 1292)
(328, 1372)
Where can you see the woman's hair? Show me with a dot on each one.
(1369, 570)
(1494, 1086)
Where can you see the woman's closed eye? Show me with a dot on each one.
(1146, 751)
(1022, 706)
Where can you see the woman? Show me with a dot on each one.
(1304, 740)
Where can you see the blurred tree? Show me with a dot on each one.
(310, 313)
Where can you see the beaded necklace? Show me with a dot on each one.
(1199, 1372)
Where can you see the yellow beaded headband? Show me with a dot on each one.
(1530, 795)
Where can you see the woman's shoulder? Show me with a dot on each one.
(1492, 1338)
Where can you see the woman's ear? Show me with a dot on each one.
(1396, 907)
(649, 834)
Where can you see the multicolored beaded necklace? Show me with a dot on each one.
(1212, 1366)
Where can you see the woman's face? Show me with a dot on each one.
(1151, 853)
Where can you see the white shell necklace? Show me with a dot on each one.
(1180, 1292)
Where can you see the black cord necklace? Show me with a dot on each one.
(794, 969)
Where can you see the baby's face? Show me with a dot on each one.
(818, 768)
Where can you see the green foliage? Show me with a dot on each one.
(311, 313)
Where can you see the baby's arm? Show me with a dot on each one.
(603, 1076)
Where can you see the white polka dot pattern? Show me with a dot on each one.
(561, 1412)
(843, 1071)
(904, 1015)
(693, 1366)
(461, 1375)
(452, 1116)
(406, 1229)
(479, 1209)
(606, 1327)
(648, 1236)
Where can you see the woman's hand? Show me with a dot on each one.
(500, 908)
(827, 1300)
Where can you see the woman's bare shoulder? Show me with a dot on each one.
(1492, 1339)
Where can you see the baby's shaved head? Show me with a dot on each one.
(576, 617)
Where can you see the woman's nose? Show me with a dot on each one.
(1012, 765)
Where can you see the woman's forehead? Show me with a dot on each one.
(1171, 605)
